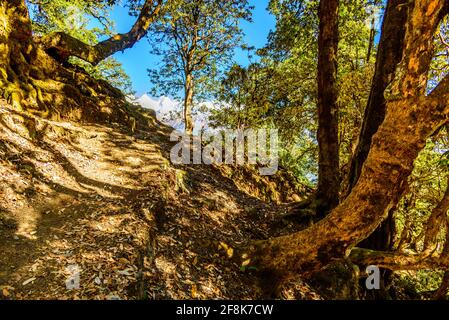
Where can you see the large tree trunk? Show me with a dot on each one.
(15, 29)
(188, 103)
(395, 146)
(389, 55)
(327, 195)
(410, 119)
(15, 49)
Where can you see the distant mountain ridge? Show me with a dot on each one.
(169, 111)
(163, 107)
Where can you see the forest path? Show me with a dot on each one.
(108, 204)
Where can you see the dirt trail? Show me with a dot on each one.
(109, 203)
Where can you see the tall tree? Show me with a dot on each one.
(196, 41)
(327, 195)
(294, 48)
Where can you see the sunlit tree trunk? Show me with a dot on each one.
(188, 103)
(27, 79)
(15, 28)
(389, 55)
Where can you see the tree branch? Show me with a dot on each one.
(397, 260)
(62, 46)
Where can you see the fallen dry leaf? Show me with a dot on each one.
(28, 281)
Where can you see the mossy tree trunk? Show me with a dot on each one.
(16, 50)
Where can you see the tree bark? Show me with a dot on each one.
(397, 261)
(389, 55)
(15, 31)
(15, 28)
(16, 51)
(411, 117)
(441, 293)
(188, 103)
(62, 46)
(327, 195)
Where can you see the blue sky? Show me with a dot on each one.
(137, 60)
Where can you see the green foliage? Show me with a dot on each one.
(71, 17)
(281, 90)
(242, 98)
(415, 284)
(426, 187)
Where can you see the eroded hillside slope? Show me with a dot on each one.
(107, 201)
